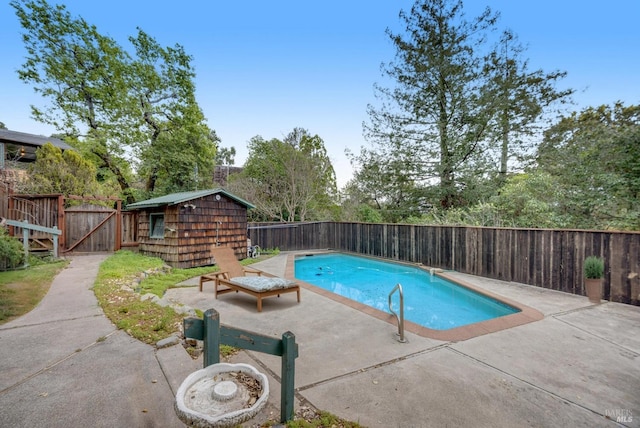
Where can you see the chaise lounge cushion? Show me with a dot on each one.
(233, 277)
(261, 283)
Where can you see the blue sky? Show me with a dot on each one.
(264, 68)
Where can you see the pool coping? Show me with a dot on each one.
(525, 316)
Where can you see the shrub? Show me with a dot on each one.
(11, 251)
(593, 267)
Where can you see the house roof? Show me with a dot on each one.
(29, 143)
(178, 198)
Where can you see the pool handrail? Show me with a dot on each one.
(400, 318)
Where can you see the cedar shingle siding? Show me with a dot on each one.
(191, 226)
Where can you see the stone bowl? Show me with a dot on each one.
(221, 395)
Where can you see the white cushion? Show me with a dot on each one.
(262, 283)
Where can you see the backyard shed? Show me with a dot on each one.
(181, 228)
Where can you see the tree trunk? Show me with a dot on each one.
(122, 181)
(504, 156)
(151, 181)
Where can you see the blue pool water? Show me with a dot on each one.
(429, 301)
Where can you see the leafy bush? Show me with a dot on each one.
(593, 267)
(11, 251)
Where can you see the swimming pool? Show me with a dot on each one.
(429, 300)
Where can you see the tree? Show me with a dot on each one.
(437, 112)
(595, 155)
(179, 160)
(520, 97)
(81, 72)
(226, 156)
(287, 180)
(320, 179)
(530, 200)
(55, 171)
(455, 109)
(356, 205)
(118, 108)
(174, 141)
(383, 182)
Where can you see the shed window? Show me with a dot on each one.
(156, 226)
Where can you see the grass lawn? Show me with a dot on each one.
(21, 290)
(124, 277)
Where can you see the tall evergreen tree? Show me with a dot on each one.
(455, 109)
(437, 110)
(173, 139)
(521, 97)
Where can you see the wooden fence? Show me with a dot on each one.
(544, 258)
(87, 224)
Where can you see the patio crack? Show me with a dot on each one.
(374, 366)
(36, 324)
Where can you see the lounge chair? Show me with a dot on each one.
(235, 277)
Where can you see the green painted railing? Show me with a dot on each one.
(26, 227)
(214, 334)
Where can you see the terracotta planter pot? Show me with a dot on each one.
(594, 289)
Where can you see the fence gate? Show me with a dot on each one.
(85, 226)
(91, 228)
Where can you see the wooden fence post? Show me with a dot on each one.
(62, 222)
(118, 243)
(289, 354)
(211, 337)
(55, 243)
(25, 244)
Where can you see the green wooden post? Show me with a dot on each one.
(289, 354)
(211, 337)
(55, 244)
(25, 244)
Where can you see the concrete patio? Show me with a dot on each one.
(579, 366)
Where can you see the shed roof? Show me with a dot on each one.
(178, 198)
